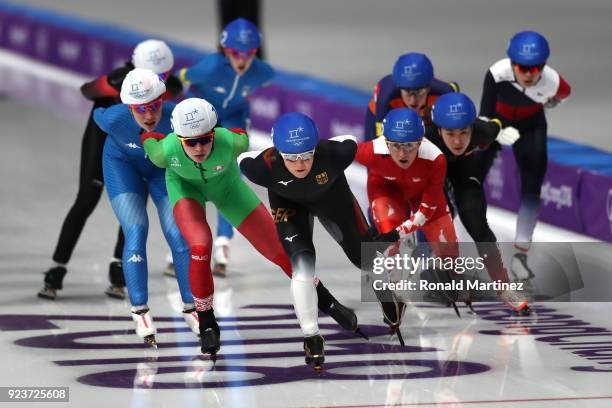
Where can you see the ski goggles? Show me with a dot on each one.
(148, 107)
(533, 69)
(416, 92)
(164, 76)
(399, 146)
(204, 139)
(242, 54)
(298, 156)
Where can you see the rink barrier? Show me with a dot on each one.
(577, 190)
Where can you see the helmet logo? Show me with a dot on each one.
(408, 69)
(294, 133)
(155, 57)
(399, 125)
(455, 108)
(295, 138)
(529, 50)
(191, 120)
(139, 90)
(244, 36)
(189, 116)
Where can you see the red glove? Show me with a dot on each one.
(407, 227)
(416, 221)
(148, 135)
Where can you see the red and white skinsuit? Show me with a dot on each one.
(395, 193)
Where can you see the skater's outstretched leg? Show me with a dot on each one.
(258, 229)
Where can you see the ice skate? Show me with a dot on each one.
(54, 278)
(393, 310)
(145, 327)
(116, 290)
(210, 341)
(220, 257)
(345, 317)
(315, 353)
(518, 303)
(520, 269)
(191, 318)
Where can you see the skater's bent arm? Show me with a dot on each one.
(153, 144)
(253, 166)
(489, 97)
(564, 90)
(364, 153)
(485, 131)
(241, 141)
(98, 88)
(100, 120)
(343, 150)
(201, 72)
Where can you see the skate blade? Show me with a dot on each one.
(316, 362)
(454, 305)
(396, 330)
(362, 334)
(212, 354)
(150, 341)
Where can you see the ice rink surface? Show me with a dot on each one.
(86, 341)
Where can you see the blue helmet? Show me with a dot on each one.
(295, 133)
(453, 110)
(412, 70)
(241, 35)
(403, 125)
(528, 48)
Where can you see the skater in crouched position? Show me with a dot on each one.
(103, 92)
(458, 133)
(406, 180)
(200, 163)
(305, 178)
(405, 186)
(226, 79)
(128, 175)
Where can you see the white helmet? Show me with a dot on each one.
(141, 86)
(193, 117)
(154, 55)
